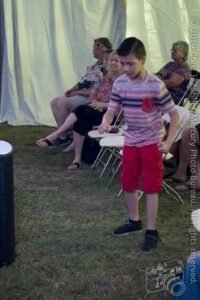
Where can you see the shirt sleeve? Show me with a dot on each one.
(183, 70)
(115, 101)
(163, 73)
(164, 100)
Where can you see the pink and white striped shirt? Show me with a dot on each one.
(143, 105)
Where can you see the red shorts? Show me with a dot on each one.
(142, 165)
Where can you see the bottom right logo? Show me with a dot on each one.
(166, 276)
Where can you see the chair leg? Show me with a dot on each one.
(171, 192)
(98, 158)
(114, 174)
(107, 162)
(119, 193)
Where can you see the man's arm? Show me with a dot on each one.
(83, 92)
(68, 92)
(164, 146)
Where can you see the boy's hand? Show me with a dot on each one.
(104, 127)
(163, 147)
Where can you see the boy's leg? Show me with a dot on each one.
(152, 171)
(151, 234)
(134, 223)
(152, 208)
(130, 184)
(133, 205)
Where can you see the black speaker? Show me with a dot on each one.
(7, 226)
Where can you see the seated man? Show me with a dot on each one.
(79, 94)
(176, 73)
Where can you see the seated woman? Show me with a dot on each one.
(176, 73)
(189, 155)
(85, 117)
(79, 94)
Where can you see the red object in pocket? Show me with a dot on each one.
(147, 105)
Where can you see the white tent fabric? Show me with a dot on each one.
(159, 23)
(47, 46)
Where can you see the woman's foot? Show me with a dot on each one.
(75, 165)
(176, 178)
(47, 141)
(44, 143)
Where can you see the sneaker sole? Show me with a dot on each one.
(126, 233)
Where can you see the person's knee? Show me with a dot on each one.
(60, 103)
(54, 102)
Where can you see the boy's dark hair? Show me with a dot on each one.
(132, 45)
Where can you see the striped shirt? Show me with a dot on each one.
(143, 105)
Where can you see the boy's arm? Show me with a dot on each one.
(164, 146)
(107, 120)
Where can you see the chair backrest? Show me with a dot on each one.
(191, 95)
(119, 118)
(194, 96)
(187, 91)
(184, 115)
(195, 74)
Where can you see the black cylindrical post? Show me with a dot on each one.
(7, 227)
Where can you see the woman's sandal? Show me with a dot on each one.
(174, 179)
(47, 143)
(74, 166)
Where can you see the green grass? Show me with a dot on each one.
(64, 222)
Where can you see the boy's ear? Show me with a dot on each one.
(143, 60)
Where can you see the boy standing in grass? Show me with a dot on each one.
(144, 99)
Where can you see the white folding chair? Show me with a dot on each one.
(184, 115)
(111, 157)
(94, 134)
(195, 96)
(191, 97)
(97, 136)
(185, 98)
